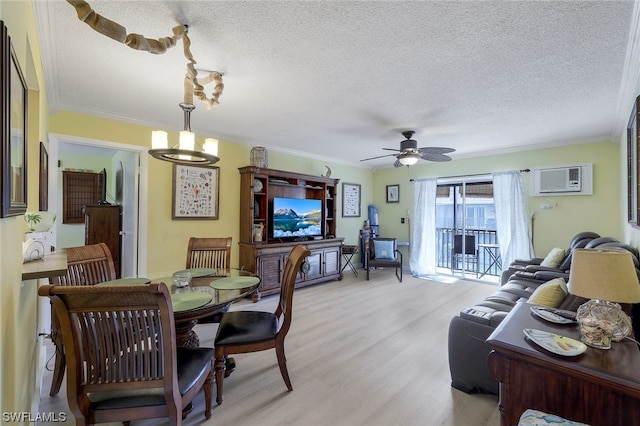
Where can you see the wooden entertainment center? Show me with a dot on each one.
(266, 255)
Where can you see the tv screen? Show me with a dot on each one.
(294, 217)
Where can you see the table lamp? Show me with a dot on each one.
(607, 277)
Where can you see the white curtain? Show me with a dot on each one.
(512, 219)
(423, 239)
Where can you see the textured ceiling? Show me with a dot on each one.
(340, 80)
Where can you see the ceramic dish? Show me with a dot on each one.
(189, 300)
(199, 272)
(549, 315)
(555, 343)
(232, 283)
(127, 281)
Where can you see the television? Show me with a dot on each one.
(296, 217)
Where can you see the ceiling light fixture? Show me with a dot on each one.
(187, 151)
(408, 159)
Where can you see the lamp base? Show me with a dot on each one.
(602, 322)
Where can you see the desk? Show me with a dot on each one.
(493, 250)
(599, 387)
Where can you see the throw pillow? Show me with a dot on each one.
(550, 294)
(554, 258)
(384, 250)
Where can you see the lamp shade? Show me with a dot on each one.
(608, 275)
(408, 159)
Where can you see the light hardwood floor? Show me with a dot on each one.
(359, 353)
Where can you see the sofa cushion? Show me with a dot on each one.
(554, 258)
(550, 294)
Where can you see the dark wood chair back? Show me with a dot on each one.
(121, 354)
(86, 265)
(209, 253)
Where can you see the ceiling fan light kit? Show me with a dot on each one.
(187, 151)
(409, 153)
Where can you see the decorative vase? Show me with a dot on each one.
(259, 157)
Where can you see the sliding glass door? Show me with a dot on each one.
(466, 241)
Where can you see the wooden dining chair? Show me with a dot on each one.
(209, 253)
(121, 353)
(253, 331)
(86, 265)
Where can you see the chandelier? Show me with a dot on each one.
(187, 151)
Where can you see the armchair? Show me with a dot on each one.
(383, 253)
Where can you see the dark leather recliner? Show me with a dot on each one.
(469, 330)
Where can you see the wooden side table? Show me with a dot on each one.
(598, 387)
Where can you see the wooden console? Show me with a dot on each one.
(598, 387)
(267, 255)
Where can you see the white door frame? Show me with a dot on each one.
(139, 186)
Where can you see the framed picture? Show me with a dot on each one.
(393, 193)
(350, 200)
(633, 170)
(43, 198)
(13, 164)
(195, 192)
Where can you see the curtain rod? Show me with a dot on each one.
(474, 175)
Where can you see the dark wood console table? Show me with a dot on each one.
(598, 387)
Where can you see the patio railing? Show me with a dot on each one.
(485, 260)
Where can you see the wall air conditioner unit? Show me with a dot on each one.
(563, 180)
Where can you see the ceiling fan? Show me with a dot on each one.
(409, 153)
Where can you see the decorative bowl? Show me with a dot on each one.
(39, 221)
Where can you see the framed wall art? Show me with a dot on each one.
(350, 200)
(633, 171)
(43, 195)
(393, 193)
(195, 192)
(13, 161)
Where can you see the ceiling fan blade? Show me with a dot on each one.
(391, 149)
(438, 158)
(435, 150)
(380, 156)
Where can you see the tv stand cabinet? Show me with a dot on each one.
(266, 255)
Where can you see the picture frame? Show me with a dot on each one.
(196, 191)
(393, 193)
(350, 200)
(43, 195)
(13, 110)
(633, 167)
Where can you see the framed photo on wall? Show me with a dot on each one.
(350, 200)
(13, 160)
(195, 192)
(393, 193)
(43, 198)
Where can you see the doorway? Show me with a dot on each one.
(466, 230)
(128, 166)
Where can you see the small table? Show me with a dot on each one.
(493, 250)
(348, 251)
(598, 387)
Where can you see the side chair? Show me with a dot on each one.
(86, 265)
(253, 331)
(121, 353)
(209, 253)
(384, 253)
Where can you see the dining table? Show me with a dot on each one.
(210, 292)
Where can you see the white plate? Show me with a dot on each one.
(550, 316)
(555, 343)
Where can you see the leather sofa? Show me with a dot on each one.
(469, 330)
